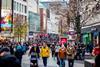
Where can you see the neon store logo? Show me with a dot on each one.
(6, 23)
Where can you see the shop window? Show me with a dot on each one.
(17, 6)
(14, 5)
(20, 7)
(4, 4)
(25, 9)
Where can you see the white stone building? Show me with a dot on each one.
(90, 19)
(53, 23)
(89, 13)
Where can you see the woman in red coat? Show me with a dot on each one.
(96, 50)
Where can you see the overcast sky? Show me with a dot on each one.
(53, 0)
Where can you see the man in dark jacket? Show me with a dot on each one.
(8, 60)
(97, 61)
(19, 52)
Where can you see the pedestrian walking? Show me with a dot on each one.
(53, 50)
(38, 51)
(8, 60)
(34, 56)
(83, 51)
(56, 51)
(71, 52)
(11, 49)
(96, 50)
(62, 56)
(45, 53)
(19, 52)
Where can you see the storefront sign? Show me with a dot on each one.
(93, 29)
(6, 22)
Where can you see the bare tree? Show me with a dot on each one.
(60, 9)
(75, 16)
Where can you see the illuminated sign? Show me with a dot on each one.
(63, 40)
(6, 22)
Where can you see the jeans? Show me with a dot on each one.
(71, 62)
(45, 61)
(62, 62)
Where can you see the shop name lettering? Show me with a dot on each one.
(93, 29)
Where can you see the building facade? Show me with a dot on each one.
(53, 23)
(33, 18)
(56, 16)
(43, 20)
(90, 20)
(24, 11)
(34, 21)
(13, 12)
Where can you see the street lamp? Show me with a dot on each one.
(12, 6)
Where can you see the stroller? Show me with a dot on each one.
(34, 58)
(34, 61)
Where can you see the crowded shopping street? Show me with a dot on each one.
(49, 33)
(33, 54)
(51, 62)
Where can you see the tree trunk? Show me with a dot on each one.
(78, 28)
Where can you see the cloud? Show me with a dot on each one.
(52, 0)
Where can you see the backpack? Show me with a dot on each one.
(70, 50)
(19, 48)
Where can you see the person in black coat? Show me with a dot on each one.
(8, 60)
(38, 51)
(97, 61)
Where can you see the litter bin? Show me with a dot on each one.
(89, 63)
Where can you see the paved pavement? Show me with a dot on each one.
(51, 62)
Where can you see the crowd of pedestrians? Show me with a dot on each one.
(11, 53)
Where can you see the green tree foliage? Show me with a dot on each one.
(20, 30)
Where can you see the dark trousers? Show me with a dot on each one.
(38, 55)
(56, 54)
(62, 63)
(71, 62)
(53, 53)
(44, 61)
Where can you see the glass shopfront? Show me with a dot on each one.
(86, 38)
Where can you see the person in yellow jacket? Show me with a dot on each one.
(45, 53)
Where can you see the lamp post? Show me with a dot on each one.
(12, 11)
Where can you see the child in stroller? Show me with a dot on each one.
(34, 57)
